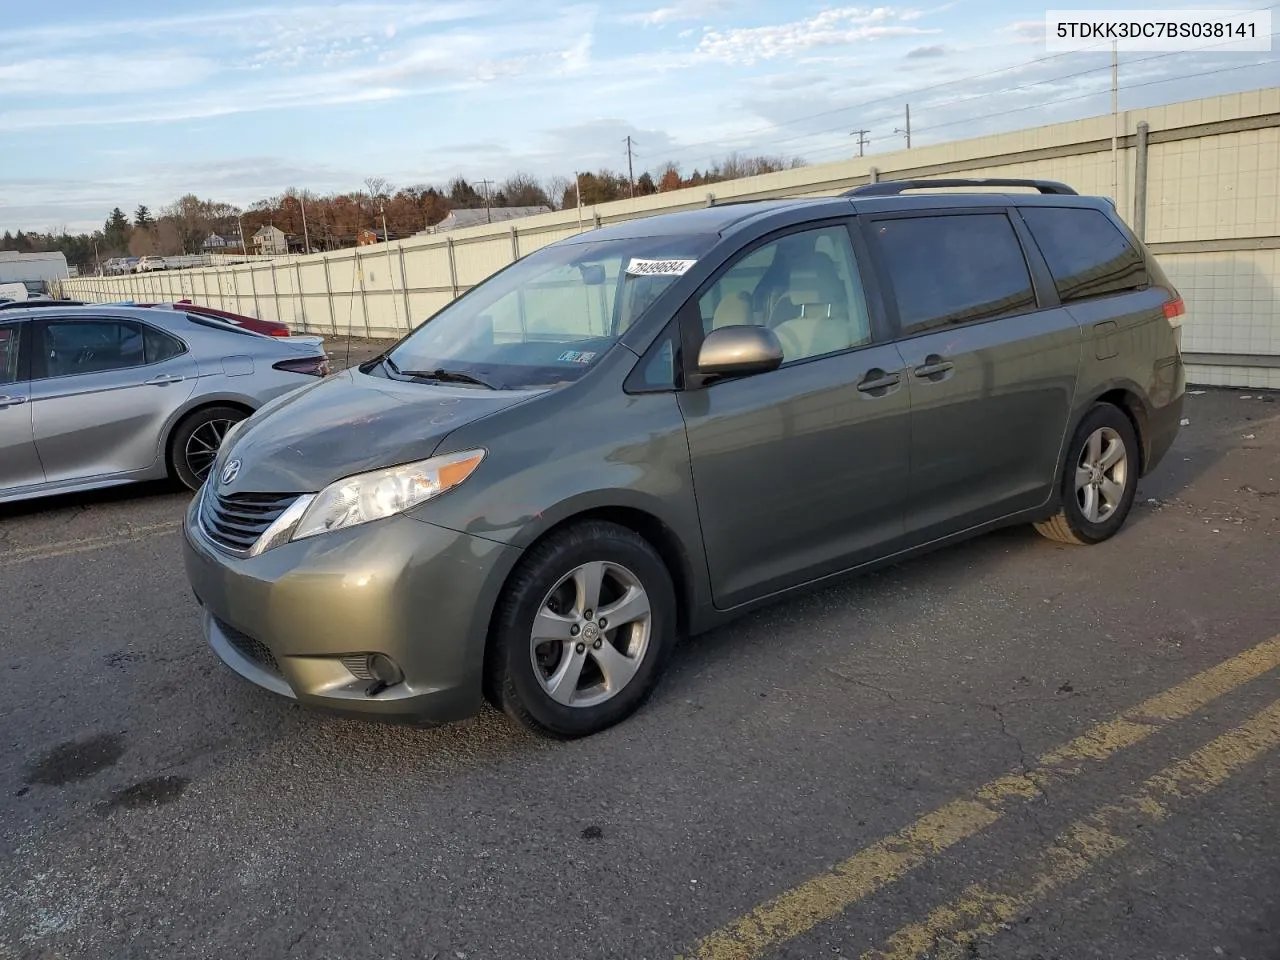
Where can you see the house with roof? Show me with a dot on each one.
(213, 242)
(270, 241)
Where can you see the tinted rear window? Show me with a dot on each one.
(957, 269)
(1087, 255)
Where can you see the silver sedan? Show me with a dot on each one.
(95, 396)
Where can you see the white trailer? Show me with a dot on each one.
(37, 272)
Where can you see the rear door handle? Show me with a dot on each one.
(933, 368)
(877, 381)
(11, 401)
(164, 378)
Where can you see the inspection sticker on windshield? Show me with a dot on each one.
(575, 356)
(659, 268)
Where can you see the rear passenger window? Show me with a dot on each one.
(949, 270)
(159, 345)
(1087, 255)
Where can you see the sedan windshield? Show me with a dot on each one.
(549, 317)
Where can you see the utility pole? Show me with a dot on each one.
(631, 177)
(1115, 124)
(488, 214)
(577, 189)
(862, 139)
(907, 129)
(244, 251)
(306, 237)
(382, 209)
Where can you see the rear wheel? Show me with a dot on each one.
(194, 444)
(582, 631)
(1100, 479)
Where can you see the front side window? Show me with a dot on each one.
(804, 286)
(1086, 253)
(74, 347)
(551, 316)
(954, 269)
(10, 338)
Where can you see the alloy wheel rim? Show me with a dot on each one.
(590, 634)
(1102, 475)
(202, 445)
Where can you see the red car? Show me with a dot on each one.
(268, 327)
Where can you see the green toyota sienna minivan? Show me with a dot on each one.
(640, 432)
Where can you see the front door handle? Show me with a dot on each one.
(934, 368)
(876, 382)
(11, 401)
(164, 378)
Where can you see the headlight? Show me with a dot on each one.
(383, 493)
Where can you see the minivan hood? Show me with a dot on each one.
(349, 423)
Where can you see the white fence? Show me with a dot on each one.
(1211, 177)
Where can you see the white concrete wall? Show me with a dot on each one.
(1219, 185)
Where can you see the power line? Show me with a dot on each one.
(898, 96)
(1007, 90)
(1081, 96)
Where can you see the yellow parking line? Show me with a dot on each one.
(822, 897)
(47, 551)
(982, 909)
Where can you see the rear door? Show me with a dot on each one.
(19, 465)
(802, 471)
(102, 393)
(991, 360)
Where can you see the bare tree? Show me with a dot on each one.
(556, 188)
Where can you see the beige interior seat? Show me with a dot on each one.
(733, 311)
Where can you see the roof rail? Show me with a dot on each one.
(891, 188)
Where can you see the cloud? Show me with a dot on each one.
(691, 10)
(839, 26)
(1025, 31)
(937, 50)
(100, 74)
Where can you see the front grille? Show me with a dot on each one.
(237, 521)
(255, 650)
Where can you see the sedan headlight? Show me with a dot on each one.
(383, 493)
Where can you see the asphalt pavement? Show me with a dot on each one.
(1010, 749)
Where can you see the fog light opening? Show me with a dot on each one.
(385, 671)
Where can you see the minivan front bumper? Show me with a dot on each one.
(300, 619)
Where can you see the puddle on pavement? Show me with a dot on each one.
(76, 760)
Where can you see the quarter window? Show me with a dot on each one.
(954, 269)
(1086, 253)
(10, 335)
(159, 346)
(804, 286)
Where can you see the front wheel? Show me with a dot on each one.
(582, 631)
(1099, 481)
(194, 444)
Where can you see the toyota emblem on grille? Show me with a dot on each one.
(231, 471)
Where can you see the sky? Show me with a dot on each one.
(141, 101)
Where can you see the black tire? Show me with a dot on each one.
(511, 681)
(1071, 524)
(187, 458)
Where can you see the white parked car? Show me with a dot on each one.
(146, 264)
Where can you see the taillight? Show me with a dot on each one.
(1174, 310)
(311, 366)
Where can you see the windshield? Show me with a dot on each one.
(548, 318)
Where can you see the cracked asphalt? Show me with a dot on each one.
(877, 768)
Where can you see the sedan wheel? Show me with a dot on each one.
(195, 443)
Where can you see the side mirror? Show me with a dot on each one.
(739, 351)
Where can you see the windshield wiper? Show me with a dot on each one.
(446, 376)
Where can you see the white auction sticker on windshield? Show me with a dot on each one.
(659, 268)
